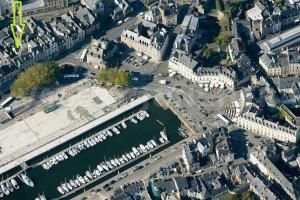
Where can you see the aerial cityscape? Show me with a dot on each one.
(150, 99)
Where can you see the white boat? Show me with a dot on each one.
(4, 189)
(90, 143)
(80, 147)
(27, 180)
(96, 139)
(124, 124)
(86, 179)
(80, 179)
(1, 193)
(41, 197)
(14, 183)
(139, 116)
(147, 147)
(133, 120)
(45, 166)
(132, 155)
(77, 182)
(139, 150)
(89, 175)
(146, 113)
(153, 143)
(86, 144)
(125, 158)
(135, 151)
(109, 165)
(61, 157)
(115, 130)
(117, 161)
(65, 155)
(60, 190)
(71, 153)
(69, 186)
(57, 158)
(100, 168)
(97, 172)
(113, 163)
(161, 140)
(128, 156)
(9, 186)
(104, 166)
(72, 182)
(122, 161)
(143, 148)
(109, 133)
(93, 141)
(150, 145)
(164, 135)
(65, 188)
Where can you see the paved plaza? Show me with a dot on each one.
(41, 128)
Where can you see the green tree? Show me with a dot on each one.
(114, 76)
(149, 2)
(248, 196)
(229, 196)
(207, 53)
(279, 3)
(34, 78)
(222, 39)
(218, 5)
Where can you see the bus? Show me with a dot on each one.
(83, 55)
(71, 76)
(224, 119)
(8, 101)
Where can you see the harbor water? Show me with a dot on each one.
(46, 181)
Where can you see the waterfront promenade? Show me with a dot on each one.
(72, 134)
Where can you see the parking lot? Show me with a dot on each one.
(139, 63)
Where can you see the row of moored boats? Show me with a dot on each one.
(110, 165)
(9, 186)
(92, 141)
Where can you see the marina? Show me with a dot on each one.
(94, 177)
(92, 140)
(131, 135)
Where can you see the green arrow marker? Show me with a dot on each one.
(17, 26)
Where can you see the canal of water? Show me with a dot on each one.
(46, 181)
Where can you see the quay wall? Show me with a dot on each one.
(163, 103)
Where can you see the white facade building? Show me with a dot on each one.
(250, 121)
(187, 67)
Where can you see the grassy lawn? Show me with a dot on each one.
(229, 196)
